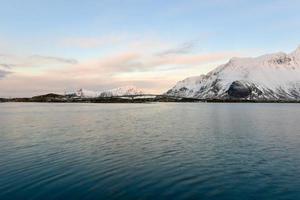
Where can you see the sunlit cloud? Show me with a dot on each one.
(35, 64)
(106, 73)
(151, 64)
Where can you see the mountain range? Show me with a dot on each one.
(116, 92)
(268, 78)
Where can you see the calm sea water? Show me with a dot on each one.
(149, 151)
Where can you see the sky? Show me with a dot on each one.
(61, 46)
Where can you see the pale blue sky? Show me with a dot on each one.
(92, 31)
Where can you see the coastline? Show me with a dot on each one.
(53, 98)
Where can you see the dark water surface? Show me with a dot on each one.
(149, 151)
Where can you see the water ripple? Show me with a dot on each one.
(153, 151)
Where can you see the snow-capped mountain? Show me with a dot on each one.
(121, 91)
(268, 77)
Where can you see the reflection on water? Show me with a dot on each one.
(149, 151)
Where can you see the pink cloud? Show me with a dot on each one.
(138, 64)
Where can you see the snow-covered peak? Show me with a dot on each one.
(120, 91)
(278, 72)
(270, 70)
(123, 91)
(190, 82)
